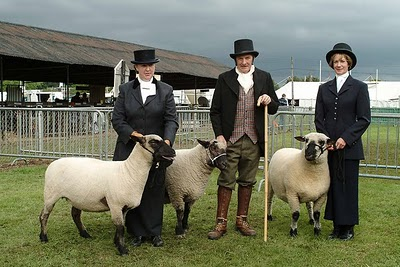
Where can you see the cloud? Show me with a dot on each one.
(281, 30)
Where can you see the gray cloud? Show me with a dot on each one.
(304, 30)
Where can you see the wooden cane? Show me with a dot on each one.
(266, 174)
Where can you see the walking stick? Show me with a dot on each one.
(266, 174)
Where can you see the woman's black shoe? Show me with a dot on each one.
(334, 234)
(157, 241)
(137, 241)
(347, 235)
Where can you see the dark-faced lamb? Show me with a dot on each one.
(301, 176)
(187, 177)
(95, 185)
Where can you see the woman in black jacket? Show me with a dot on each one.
(147, 106)
(343, 113)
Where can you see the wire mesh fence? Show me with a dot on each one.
(87, 132)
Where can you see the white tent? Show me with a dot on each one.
(382, 94)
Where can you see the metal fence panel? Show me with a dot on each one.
(87, 132)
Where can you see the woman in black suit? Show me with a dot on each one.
(343, 113)
(147, 106)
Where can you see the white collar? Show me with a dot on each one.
(343, 76)
(246, 79)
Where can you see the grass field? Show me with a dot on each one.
(376, 242)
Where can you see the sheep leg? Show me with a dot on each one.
(117, 216)
(179, 231)
(310, 211)
(43, 218)
(294, 205)
(76, 216)
(185, 224)
(269, 207)
(317, 207)
(119, 240)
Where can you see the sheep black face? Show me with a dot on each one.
(315, 145)
(162, 152)
(216, 153)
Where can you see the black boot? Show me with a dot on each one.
(336, 232)
(347, 233)
(137, 241)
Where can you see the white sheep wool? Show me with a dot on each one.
(246, 79)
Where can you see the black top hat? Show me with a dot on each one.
(342, 48)
(147, 56)
(242, 47)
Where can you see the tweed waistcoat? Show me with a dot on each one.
(244, 121)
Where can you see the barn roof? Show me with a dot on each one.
(36, 54)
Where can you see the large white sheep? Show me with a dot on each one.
(187, 177)
(95, 185)
(301, 176)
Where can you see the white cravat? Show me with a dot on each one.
(147, 88)
(246, 79)
(340, 80)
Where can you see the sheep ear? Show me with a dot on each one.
(300, 138)
(205, 144)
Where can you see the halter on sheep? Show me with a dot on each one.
(96, 185)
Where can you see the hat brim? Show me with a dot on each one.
(254, 53)
(156, 60)
(342, 51)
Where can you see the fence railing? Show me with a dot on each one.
(87, 132)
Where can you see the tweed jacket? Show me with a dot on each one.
(156, 116)
(226, 96)
(346, 114)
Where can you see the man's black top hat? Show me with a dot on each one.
(242, 47)
(147, 56)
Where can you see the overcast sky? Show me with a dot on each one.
(305, 30)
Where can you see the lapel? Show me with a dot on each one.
(347, 85)
(257, 80)
(332, 86)
(136, 92)
(232, 82)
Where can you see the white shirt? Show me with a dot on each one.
(147, 88)
(340, 80)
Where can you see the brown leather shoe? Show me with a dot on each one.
(219, 230)
(243, 226)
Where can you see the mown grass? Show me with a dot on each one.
(375, 244)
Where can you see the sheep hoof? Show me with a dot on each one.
(123, 251)
(270, 218)
(43, 238)
(311, 222)
(293, 232)
(182, 236)
(85, 234)
(317, 231)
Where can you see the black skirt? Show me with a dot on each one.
(342, 202)
(146, 219)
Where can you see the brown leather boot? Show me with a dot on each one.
(224, 197)
(244, 195)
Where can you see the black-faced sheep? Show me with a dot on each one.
(96, 185)
(187, 177)
(301, 176)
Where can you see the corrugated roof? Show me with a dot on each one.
(40, 51)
